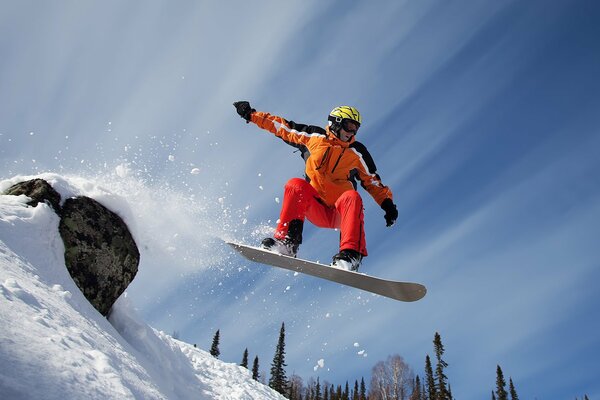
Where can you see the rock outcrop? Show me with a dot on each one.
(100, 253)
(39, 190)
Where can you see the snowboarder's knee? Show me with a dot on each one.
(297, 184)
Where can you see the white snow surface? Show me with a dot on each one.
(55, 345)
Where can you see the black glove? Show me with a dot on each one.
(243, 108)
(391, 212)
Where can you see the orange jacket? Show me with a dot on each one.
(332, 166)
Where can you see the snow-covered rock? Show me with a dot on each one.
(55, 345)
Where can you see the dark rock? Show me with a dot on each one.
(39, 190)
(100, 252)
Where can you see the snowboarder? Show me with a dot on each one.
(327, 196)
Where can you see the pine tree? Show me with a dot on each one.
(346, 395)
(363, 389)
(442, 389)
(318, 390)
(214, 349)
(493, 395)
(500, 385)
(245, 359)
(255, 373)
(278, 380)
(431, 389)
(416, 394)
(355, 395)
(513, 391)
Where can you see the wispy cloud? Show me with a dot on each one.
(479, 116)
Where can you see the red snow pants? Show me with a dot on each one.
(301, 200)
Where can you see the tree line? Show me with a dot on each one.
(392, 379)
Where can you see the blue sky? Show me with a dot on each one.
(481, 117)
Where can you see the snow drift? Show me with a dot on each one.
(55, 345)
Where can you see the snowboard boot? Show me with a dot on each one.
(289, 245)
(284, 247)
(347, 259)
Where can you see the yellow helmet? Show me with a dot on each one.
(338, 114)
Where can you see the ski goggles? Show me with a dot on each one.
(350, 126)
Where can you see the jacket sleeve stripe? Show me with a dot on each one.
(364, 156)
(299, 129)
(369, 169)
(368, 174)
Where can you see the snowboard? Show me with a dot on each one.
(402, 291)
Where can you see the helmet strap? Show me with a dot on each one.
(335, 124)
(335, 128)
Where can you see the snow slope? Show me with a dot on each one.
(55, 345)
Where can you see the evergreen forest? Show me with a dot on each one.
(392, 379)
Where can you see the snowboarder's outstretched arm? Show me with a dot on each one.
(291, 132)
